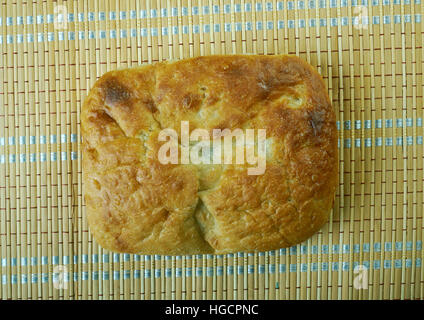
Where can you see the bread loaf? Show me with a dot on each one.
(135, 203)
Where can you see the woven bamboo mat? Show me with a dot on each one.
(371, 57)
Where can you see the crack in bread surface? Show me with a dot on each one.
(268, 104)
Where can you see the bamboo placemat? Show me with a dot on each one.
(371, 57)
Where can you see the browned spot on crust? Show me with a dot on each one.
(121, 244)
(97, 184)
(164, 214)
(115, 92)
(101, 120)
(191, 101)
(316, 120)
(99, 116)
(150, 104)
(234, 71)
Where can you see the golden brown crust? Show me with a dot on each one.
(135, 204)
